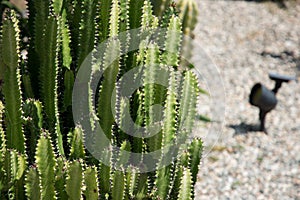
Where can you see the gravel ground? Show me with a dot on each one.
(246, 40)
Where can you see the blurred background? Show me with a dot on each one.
(247, 40)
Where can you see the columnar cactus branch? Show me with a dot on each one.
(17, 169)
(135, 13)
(185, 192)
(33, 122)
(65, 40)
(39, 11)
(104, 17)
(76, 140)
(49, 84)
(32, 183)
(118, 185)
(150, 74)
(187, 109)
(45, 159)
(60, 178)
(74, 181)
(111, 66)
(173, 41)
(87, 29)
(68, 85)
(160, 6)
(188, 13)
(91, 183)
(10, 40)
(195, 150)
(169, 130)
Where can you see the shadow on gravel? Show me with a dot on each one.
(298, 65)
(243, 128)
(280, 3)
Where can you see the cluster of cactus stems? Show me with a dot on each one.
(42, 151)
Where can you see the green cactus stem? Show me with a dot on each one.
(60, 178)
(104, 18)
(160, 6)
(87, 29)
(76, 140)
(118, 185)
(48, 74)
(12, 83)
(32, 184)
(45, 160)
(185, 191)
(74, 181)
(188, 13)
(33, 122)
(91, 183)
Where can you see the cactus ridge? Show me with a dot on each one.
(2, 133)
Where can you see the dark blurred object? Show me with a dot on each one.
(298, 69)
(265, 99)
(280, 3)
(279, 79)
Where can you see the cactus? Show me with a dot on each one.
(32, 183)
(42, 150)
(74, 180)
(46, 167)
(10, 39)
(188, 12)
(91, 182)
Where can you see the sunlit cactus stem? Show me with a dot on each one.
(188, 12)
